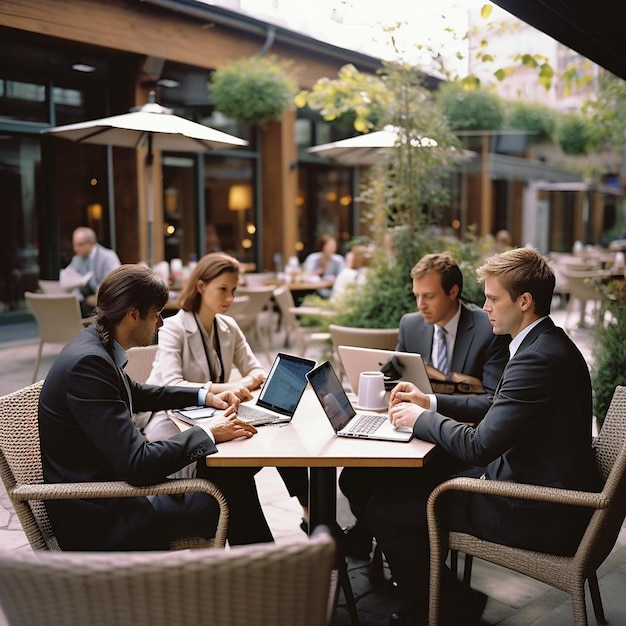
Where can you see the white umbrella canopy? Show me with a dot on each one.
(364, 149)
(149, 126)
(153, 127)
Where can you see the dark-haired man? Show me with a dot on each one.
(87, 432)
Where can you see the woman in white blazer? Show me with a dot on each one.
(200, 345)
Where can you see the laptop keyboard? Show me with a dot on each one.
(251, 415)
(368, 423)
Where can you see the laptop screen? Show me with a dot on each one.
(332, 397)
(285, 383)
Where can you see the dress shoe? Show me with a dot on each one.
(356, 544)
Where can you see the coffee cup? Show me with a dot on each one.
(372, 391)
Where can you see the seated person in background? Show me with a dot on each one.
(90, 256)
(468, 346)
(354, 272)
(536, 431)
(325, 263)
(87, 433)
(198, 347)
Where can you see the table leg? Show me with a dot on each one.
(323, 510)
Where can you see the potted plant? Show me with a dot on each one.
(255, 90)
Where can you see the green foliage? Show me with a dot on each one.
(534, 118)
(573, 135)
(475, 109)
(256, 90)
(388, 292)
(609, 367)
(607, 112)
(361, 96)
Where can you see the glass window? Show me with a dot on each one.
(20, 161)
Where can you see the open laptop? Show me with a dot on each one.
(356, 360)
(347, 422)
(278, 399)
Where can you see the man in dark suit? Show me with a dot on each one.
(467, 346)
(537, 431)
(87, 433)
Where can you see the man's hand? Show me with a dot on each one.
(405, 414)
(254, 381)
(408, 392)
(227, 427)
(224, 400)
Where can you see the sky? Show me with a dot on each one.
(359, 24)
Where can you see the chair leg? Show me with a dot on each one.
(579, 607)
(596, 599)
(37, 361)
(467, 569)
(377, 567)
(344, 583)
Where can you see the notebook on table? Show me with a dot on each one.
(279, 397)
(347, 422)
(356, 360)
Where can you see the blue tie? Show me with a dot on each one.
(442, 351)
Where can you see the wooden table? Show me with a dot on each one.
(309, 441)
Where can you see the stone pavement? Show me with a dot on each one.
(513, 599)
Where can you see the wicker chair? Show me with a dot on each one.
(140, 360)
(251, 585)
(22, 475)
(58, 319)
(566, 573)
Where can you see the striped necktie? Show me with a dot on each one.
(442, 351)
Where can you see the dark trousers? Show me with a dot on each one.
(296, 480)
(360, 484)
(186, 515)
(397, 518)
(246, 521)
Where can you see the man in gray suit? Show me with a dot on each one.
(471, 346)
(536, 431)
(467, 346)
(90, 256)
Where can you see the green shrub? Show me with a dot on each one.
(534, 118)
(609, 366)
(476, 109)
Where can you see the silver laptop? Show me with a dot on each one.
(356, 360)
(347, 422)
(278, 399)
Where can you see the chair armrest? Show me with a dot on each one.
(121, 489)
(520, 491)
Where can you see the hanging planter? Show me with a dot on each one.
(254, 91)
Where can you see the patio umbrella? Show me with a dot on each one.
(153, 127)
(364, 149)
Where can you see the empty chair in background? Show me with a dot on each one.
(58, 319)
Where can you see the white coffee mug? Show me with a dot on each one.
(372, 391)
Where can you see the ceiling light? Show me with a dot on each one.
(168, 83)
(83, 67)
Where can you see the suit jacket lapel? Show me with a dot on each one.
(463, 341)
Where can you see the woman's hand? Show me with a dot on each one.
(408, 392)
(254, 381)
(228, 400)
(227, 427)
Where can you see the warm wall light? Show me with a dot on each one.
(94, 212)
(240, 200)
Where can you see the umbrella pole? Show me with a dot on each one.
(150, 198)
